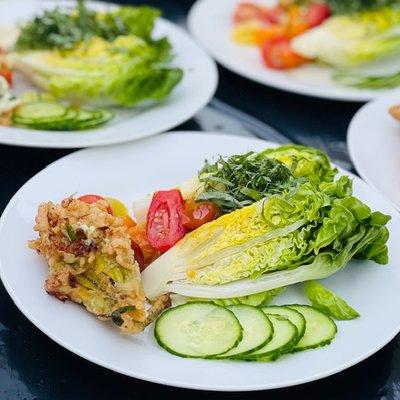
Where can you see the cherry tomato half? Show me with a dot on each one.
(164, 219)
(316, 14)
(139, 236)
(7, 75)
(139, 257)
(197, 214)
(93, 198)
(247, 11)
(278, 54)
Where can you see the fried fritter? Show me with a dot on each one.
(91, 262)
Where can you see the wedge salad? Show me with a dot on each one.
(359, 40)
(219, 248)
(82, 62)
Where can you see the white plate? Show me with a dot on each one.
(210, 22)
(373, 140)
(191, 95)
(133, 170)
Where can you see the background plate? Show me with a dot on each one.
(191, 95)
(210, 22)
(374, 144)
(133, 170)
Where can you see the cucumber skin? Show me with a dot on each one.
(299, 334)
(324, 342)
(65, 124)
(240, 356)
(162, 345)
(275, 354)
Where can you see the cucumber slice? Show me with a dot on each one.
(102, 116)
(283, 340)
(292, 315)
(320, 329)
(41, 111)
(198, 330)
(55, 125)
(257, 330)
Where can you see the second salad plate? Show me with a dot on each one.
(56, 69)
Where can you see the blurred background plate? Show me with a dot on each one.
(191, 95)
(374, 145)
(210, 22)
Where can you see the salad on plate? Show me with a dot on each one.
(358, 40)
(205, 259)
(82, 63)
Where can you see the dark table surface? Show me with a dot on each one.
(34, 367)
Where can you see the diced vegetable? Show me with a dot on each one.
(118, 207)
(198, 330)
(328, 302)
(197, 214)
(277, 53)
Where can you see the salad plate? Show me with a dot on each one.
(190, 95)
(373, 140)
(163, 162)
(211, 23)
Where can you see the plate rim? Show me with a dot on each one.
(164, 381)
(323, 93)
(213, 79)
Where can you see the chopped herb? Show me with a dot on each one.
(70, 232)
(64, 28)
(116, 316)
(242, 179)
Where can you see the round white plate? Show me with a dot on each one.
(373, 140)
(210, 22)
(133, 170)
(190, 96)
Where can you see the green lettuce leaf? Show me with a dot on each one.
(328, 302)
(124, 72)
(257, 299)
(351, 40)
(306, 232)
(304, 162)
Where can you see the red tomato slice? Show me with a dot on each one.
(7, 74)
(198, 214)
(92, 198)
(164, 219)
(316, 14)
(247, 11)
(278, 54)
(139, 257)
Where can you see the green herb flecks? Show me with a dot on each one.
(70, 232)
(64, 28)
(243, 179)
(116, 316)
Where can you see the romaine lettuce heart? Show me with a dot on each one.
(307, 232)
